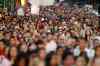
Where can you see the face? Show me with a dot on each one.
(13, 41)
(54, 60)
(88, 33)
(61, 39)
(42, 54)
(13, 52)
(82, 44)
(80, 61)
(69, 61)
(49, 37)
(7, 36)
(21, 62)
(23, 48)
(60, 51)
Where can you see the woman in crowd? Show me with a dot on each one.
(52, 59)
(69, 60)
(96, 60)
(52, 38)
(81, 61)
(39, 59)
(3, 60)
(12, 54)
(20, 61)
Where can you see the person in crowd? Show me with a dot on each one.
(52, 59)
(20, 61)
(69, 60)
(51, 44)
(81, 48)
(81, 61)
(52, 38)
(12, 54)
(39, 60)
(3, 60)
(97, 57)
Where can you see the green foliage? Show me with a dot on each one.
(9, 4)
(1, 3)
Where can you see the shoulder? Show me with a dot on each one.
(6, 62)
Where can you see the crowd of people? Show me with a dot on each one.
(61, 35)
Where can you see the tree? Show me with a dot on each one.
(9, 4)
(1, 3)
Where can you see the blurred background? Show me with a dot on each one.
(49, 32)
(13, 5)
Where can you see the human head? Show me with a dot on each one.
(12, 52)
(42, 53)
(52, 59)
(82, 44)
(68, 59)
(13, 41)
(80, 61)
(20, 61)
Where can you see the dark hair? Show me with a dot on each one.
(39, 49)
(9, 55)
(67, 55)
(19, 58)
(2, 40)
(82, 38)
(49, 57)
(39, 42)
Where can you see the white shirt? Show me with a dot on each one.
(4, 61)
(51, 46)
(90, 53)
